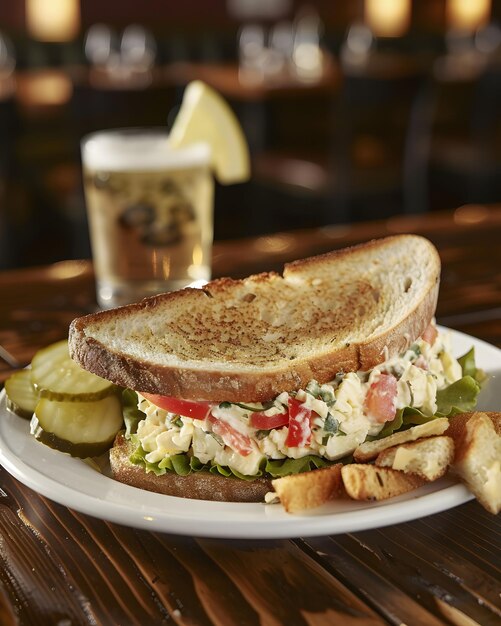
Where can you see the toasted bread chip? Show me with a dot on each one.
(310, 489)
(429, 458)
(478, 457)
(457, 424)
(368, 482)
(370, 449)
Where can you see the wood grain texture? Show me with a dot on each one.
(61, 567)
(449, 560)
(77, 568)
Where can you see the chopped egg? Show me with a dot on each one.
(338, 422)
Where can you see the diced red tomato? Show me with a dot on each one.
(299, 424)
(380, 399)
(266, 422)
(430, 334)
(186, 408)
(233, 438)
(421, 362)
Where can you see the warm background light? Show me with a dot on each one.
(388, 18)
(53, 20)
(467, 14)
(45, 88)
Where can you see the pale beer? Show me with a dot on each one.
(150, 211)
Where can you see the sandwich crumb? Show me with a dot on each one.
(271, 498)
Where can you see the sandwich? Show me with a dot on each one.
(230, 388)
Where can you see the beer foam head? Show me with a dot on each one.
(139, 150)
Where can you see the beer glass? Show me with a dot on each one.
(150, 212)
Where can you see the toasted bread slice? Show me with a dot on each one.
(429, 458)
(249, 340)
(200, 485)
(310, 489)
(478, 456)
(368, 482)
(371, 449)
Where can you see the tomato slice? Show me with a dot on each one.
(380, 399)
(231, 437)
(430, 334)
(267, 422)
(186, 408)
(299, 424)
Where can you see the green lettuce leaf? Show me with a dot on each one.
(132, 415)
(184, 464)
(180, 464)
(284, 467)
(229, 472)
(177, 463)
(404, 418)
(390, 427)
(459, 397)
(138, 457)
(467, 362)
(469, 367)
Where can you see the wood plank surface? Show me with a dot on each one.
(60, 567)
(452, 558)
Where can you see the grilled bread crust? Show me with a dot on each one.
(477, 436)
(251, 339)
(200, 485)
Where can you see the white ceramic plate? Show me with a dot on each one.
(75, 484)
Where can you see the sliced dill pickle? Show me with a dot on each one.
(78, 397)
(81, 429)
(80, 450)
(57, 377)
(22, 396)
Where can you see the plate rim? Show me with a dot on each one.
(185, 520)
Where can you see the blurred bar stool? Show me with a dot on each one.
(373, 139)
(364, 160)
(464, 125)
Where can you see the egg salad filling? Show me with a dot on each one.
(308, 428)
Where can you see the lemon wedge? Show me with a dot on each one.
(205, 116)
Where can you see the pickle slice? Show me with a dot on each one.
(81, 429)
(57, 377)
(22, 396)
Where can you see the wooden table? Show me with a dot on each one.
(62, 567)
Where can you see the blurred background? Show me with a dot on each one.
(353, 109)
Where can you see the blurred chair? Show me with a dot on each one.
(462, 129)
(358, 157)
(375, 137)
